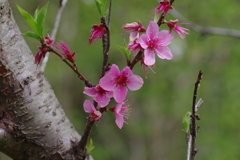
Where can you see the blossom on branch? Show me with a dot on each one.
(164, 7)
(66, 52)
(135, 28)
(95, 115)
(121, 111)
(146, 66)
(179, 30)
(96, 33)
(47, 40)
(41, 54)
(154, 41)
(117, 81)
(101, 96)
(134, 47)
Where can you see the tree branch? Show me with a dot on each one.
(194, 117)
(205, 30)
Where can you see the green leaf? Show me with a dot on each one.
(29, 19)
(98, 4)
(41, 19)
(103, 7)
(90, 146)
(32, 35)
(125, 51)
(36, 14)
(186, 121)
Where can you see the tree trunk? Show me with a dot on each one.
(33, 124)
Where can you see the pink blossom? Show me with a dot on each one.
(121, 111)
(96, 33)
(117, 81)
(134, 46)
(146, 66)
(101, 96)
(135, 28)
(41, 54)
(164, 6)
(47, 40)
(95, 115)
(66, 52)
(154, 41)
(179, 30)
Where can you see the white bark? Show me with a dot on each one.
(33, 124)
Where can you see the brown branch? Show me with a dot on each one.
(106, 46)
(206, 30)
(83, 142)
(137, 58)
(194, 117)
(73, 66)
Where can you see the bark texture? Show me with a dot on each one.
(33, 124)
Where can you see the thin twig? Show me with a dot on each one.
(189, 147)
(106, 46)
(73, 66)
(194, 117)
(62, 4)
(83, 142)
(205, 30)
(109, 13)
(188, 135)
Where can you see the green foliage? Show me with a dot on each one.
(31, 34)
(123, 49)
(101, 6)
(90, 147)
(40, 18)
(36, 23)
(186, 122)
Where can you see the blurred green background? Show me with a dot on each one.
(154, 129)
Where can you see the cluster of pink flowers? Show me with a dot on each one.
(115, 83)
(61, 48)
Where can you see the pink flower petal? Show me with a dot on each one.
(120, 94)
(118, 107)
(165, 38)
(164, 53)
(114, 71)
(127, 72)
(134, 35)
(90, 91)
(96, 115)
(119, 120)
(88, 106)
(152, 30)
(149, 57)
(143, 41)
(107, 82)
(135, 82)
(102, 100)
(109, 94)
